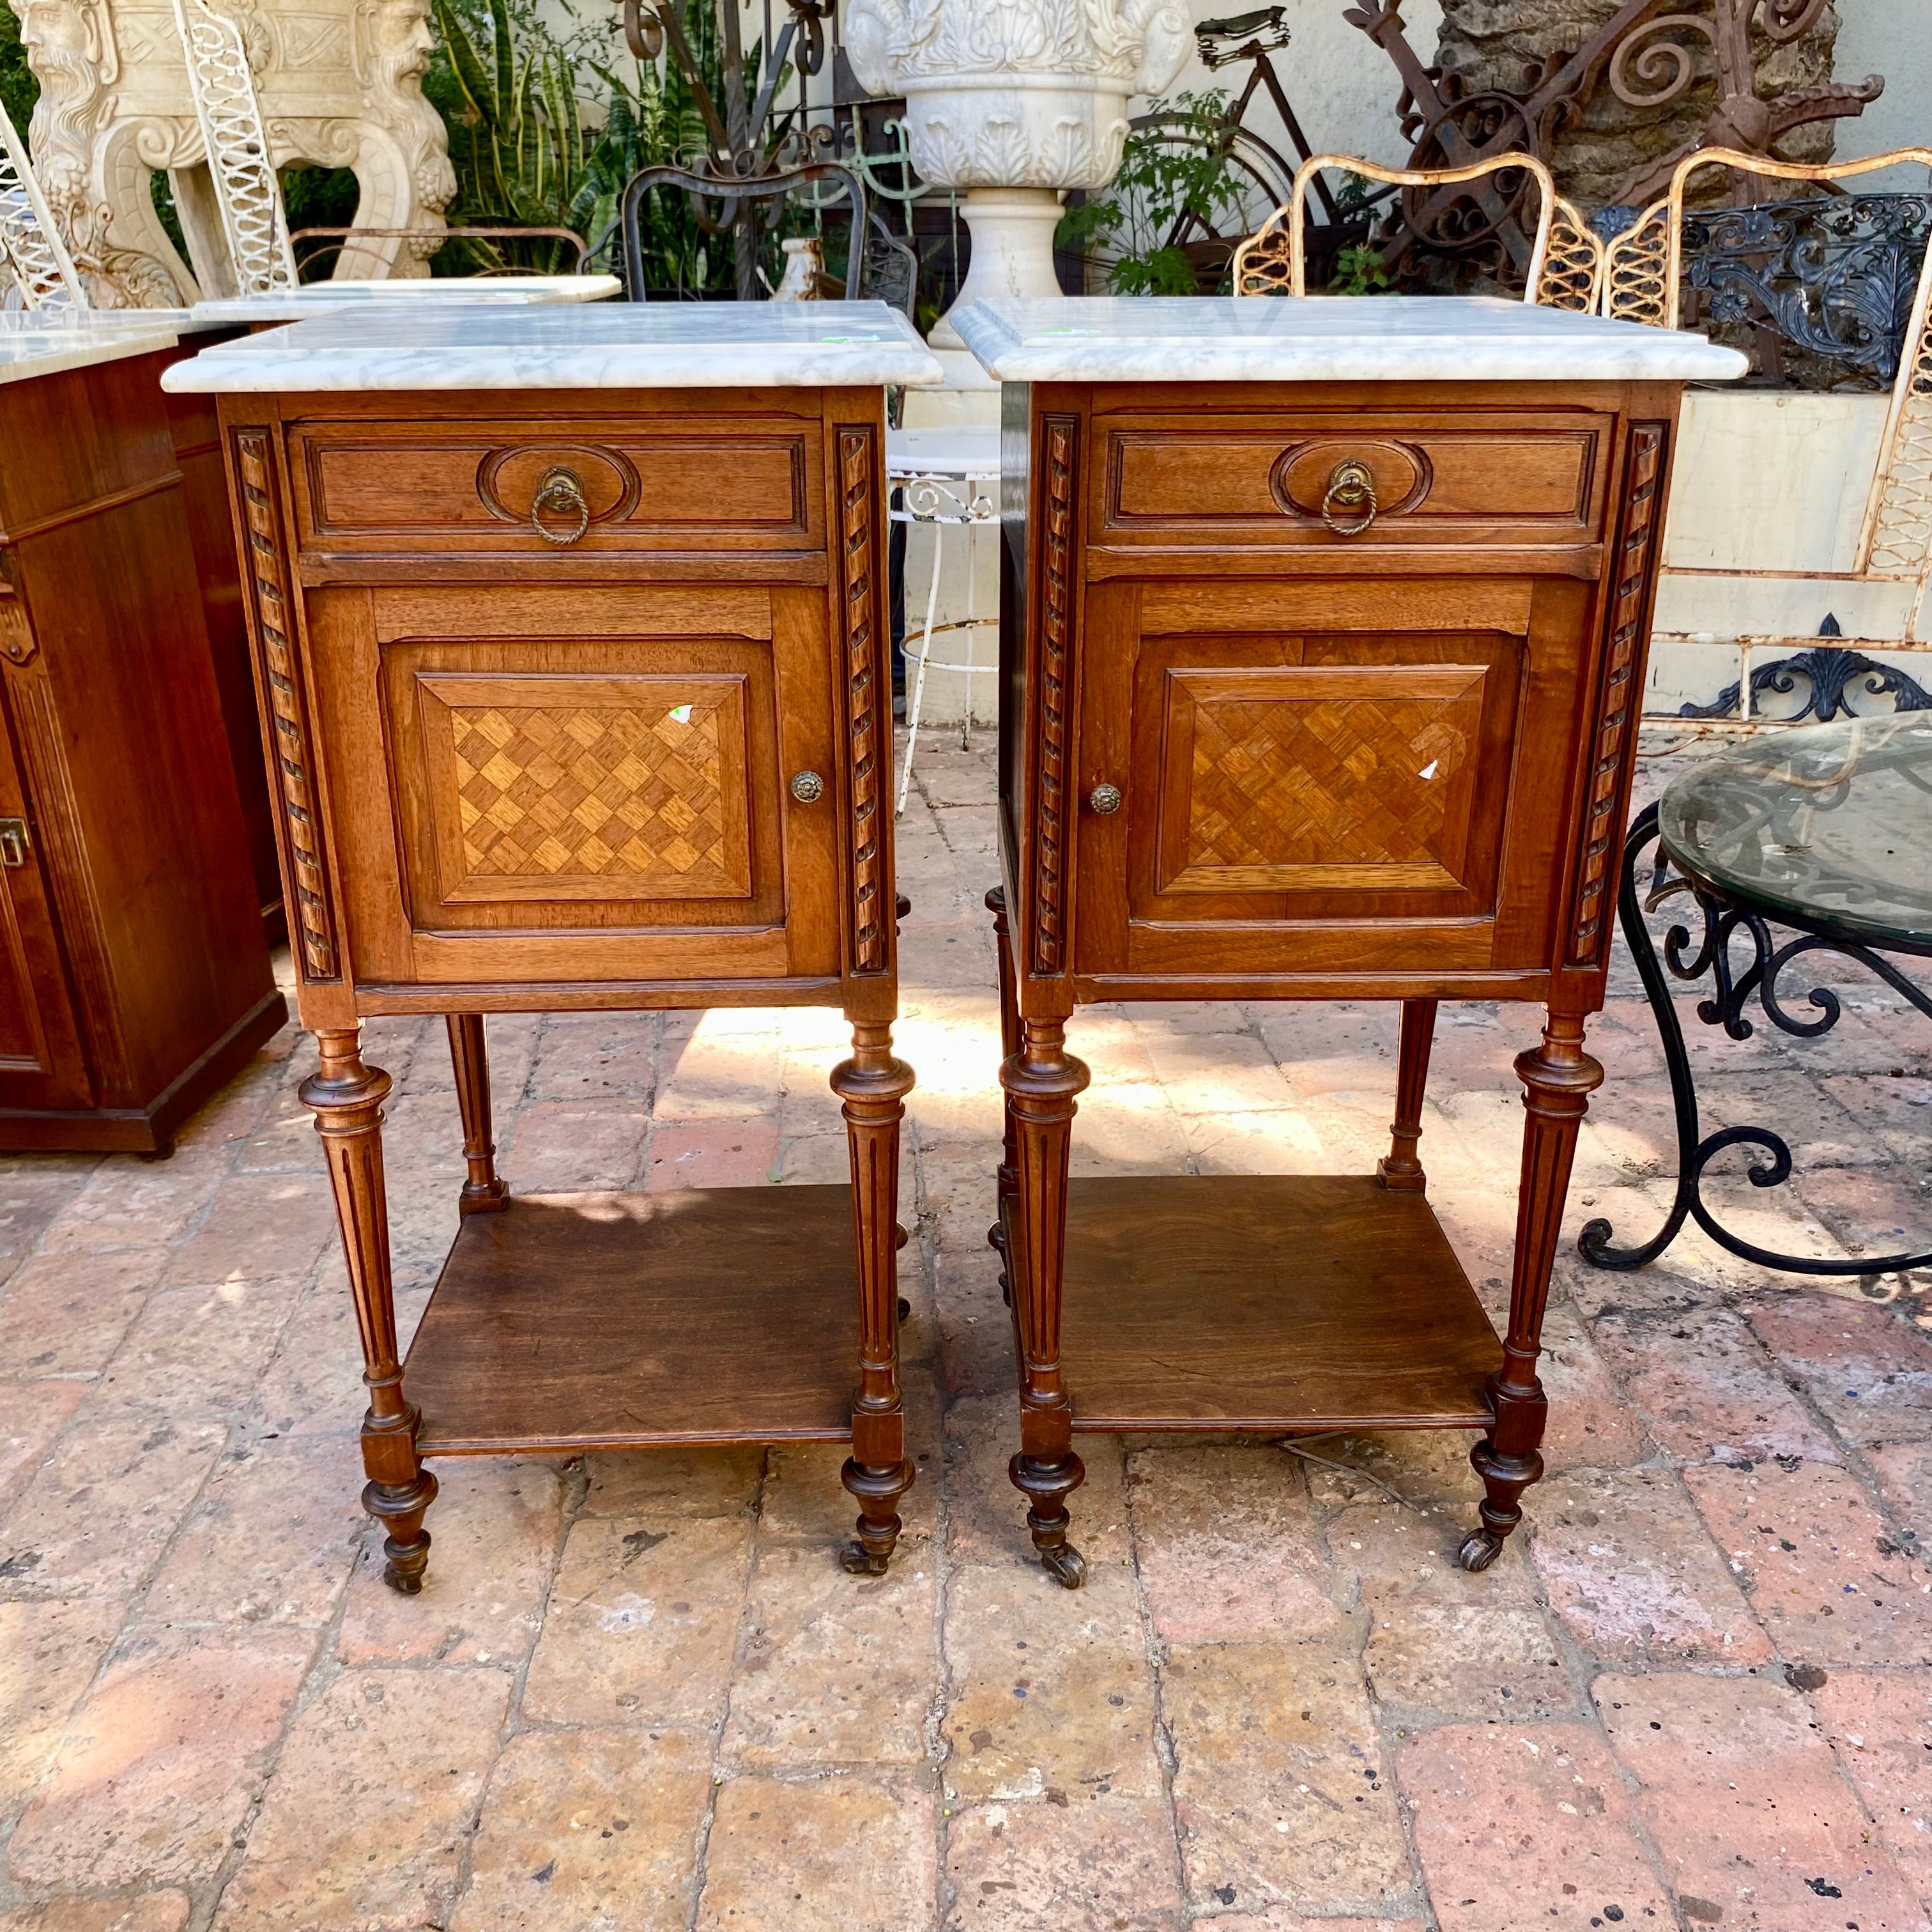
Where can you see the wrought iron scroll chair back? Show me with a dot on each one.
(246, 191)
(1566, 262)
(1644, 283)
(878, 263)
(31, 248)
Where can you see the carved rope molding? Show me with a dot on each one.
(859, 564)
(1617, 697)
(268, 607)
(1056, 635)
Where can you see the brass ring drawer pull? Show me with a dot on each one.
(1351, 488)
(560, 493)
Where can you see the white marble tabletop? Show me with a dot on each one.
(618, 345)
(1324, 339)
(323, 298)
(43, 342)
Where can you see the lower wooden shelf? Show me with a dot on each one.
(1271, 1302)
(579, 1321)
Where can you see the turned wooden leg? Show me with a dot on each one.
(484, 1192)
(347, 1097)
(1009, 1040)
(1558, 1080)
(1041, 1081)
(1400, 1169)
(873, 1085)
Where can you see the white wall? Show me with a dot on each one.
(1893, 37)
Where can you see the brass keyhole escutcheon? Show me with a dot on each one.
(560, 495)
(808, 788)
(1105, 798)
(1351, 488)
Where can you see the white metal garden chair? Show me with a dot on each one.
(1643, 283)
(31, 248)
(1566, 263)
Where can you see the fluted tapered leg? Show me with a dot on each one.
(1041, 1081)
(347, 1097)
(1400, 1170)
(873, 1085)
(1557, 1079)
(483, 1192)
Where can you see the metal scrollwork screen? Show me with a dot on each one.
(1819, 290)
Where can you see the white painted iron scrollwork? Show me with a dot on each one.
(30, 250)
(239, 162)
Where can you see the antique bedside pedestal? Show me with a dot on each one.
(1323, 631)
(134, 976)
(568, 626)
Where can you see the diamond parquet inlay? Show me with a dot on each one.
(609, 792)
(1339, 781)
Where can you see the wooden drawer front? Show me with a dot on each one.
(588, 785)
(745, 484)
(1460, 480)
(1318, 775)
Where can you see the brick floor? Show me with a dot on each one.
(637, 1693)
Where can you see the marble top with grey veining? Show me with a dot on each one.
(323, 298)
(606, 346)
(1324, 339)
(43, 342)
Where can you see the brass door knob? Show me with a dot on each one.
(808, 788)
(1351, 488)
(1105, 799)
(560, 496)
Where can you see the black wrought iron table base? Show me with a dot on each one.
(1724, 919)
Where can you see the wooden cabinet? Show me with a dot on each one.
(134, 976)
(581, 700)
(1309, 691)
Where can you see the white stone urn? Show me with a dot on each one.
(1016, 101)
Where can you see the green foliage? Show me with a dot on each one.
(1169, 172)
(1359, 271)
(19, 89)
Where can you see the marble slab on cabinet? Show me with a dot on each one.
(1325, 339)
(47, 341)
(326, 297)
(617, 345)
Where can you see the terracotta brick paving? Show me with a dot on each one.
(637, 1692)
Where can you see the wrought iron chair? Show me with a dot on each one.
(1644, 281)
(31, 248)
(880, 266)
(246, 191)
(1566, 263)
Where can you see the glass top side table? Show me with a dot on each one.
(1826, 830)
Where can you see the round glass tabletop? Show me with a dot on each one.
(1827, 826)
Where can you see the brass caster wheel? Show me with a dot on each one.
(905, 1308)
(1482, 1549)
(403, 1581)
(1005, 1290)
(1065, 1565)
(856, 1560)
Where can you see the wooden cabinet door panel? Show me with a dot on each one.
(604, 795)
(41, 1063)
(1377, 786)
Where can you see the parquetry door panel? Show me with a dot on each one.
(605, 795)
(1293, 796)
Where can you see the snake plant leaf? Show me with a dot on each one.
(471, 75)
(505, 53)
